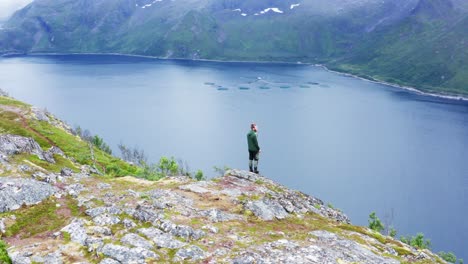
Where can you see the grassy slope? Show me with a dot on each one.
(17, 122)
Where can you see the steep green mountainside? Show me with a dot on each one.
(428, 49)
(417, 42)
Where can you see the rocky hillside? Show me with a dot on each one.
(60, 203)
(421, 43)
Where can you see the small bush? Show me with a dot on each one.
(168, 167)
(199, 175)
(418, 241)
(4, 258)
(100, 144)
(449, 257)
(375, 223)
(392, 232)
(165, 167)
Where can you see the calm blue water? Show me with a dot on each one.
(360, 146)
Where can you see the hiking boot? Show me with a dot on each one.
(250, 169)
(256, 171)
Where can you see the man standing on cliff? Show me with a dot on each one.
(254, 149)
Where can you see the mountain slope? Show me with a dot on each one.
(417, 42)
(428, 49)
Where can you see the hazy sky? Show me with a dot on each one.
(7, 7)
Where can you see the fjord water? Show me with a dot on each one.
(358, 145)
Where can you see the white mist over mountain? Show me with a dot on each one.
(8, 7)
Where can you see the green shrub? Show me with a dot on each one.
(100, 144)
(392, 232)
(449, 257)
(375, 223)
(165, 167)
(168, 167)
(4, 258)
(418, 241)
(199, 175)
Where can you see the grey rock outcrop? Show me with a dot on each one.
(278, 197)
(14, 192)
(329, 249)
(66, 172)
(40, 114)
(267, 209)
(183, 231)
(49, 178)
(216, 215)
(167, 241)
(77, 231)
(136, 241)
(192, 253)
(128, 255)
(109, 261)
(2, 226)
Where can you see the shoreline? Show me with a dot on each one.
(463, 98)
(402, 87)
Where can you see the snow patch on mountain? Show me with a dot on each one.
(273, 9)
(148, 5)
(294, 5)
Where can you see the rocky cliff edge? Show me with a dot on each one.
(59, 207)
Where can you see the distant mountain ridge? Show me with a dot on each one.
(421, 43)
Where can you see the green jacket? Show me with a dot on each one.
(252, 141)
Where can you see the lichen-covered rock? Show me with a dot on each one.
(127, 223)
(53, 258)
(167, 241)
(77, 231)
(109, 261)
(106, 220)
(94, 244)
(2, 226)
(163, 199)
(75, 189)
(146, 215)
(14, 192)
(66, 172)
(150, 232)
(24, 168)
(40, 114)
(136, 241)
(185, 232)
(49, 178)
(54, 150)
(113, 210)
(128, 255)
(101, 230)
(335, 247)
(215, 215)
(18, 258)
(93, 212)
(290, 201)
(13, 144)
(266, 209)
(200, 187)
(192, 253)
(329, 249)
